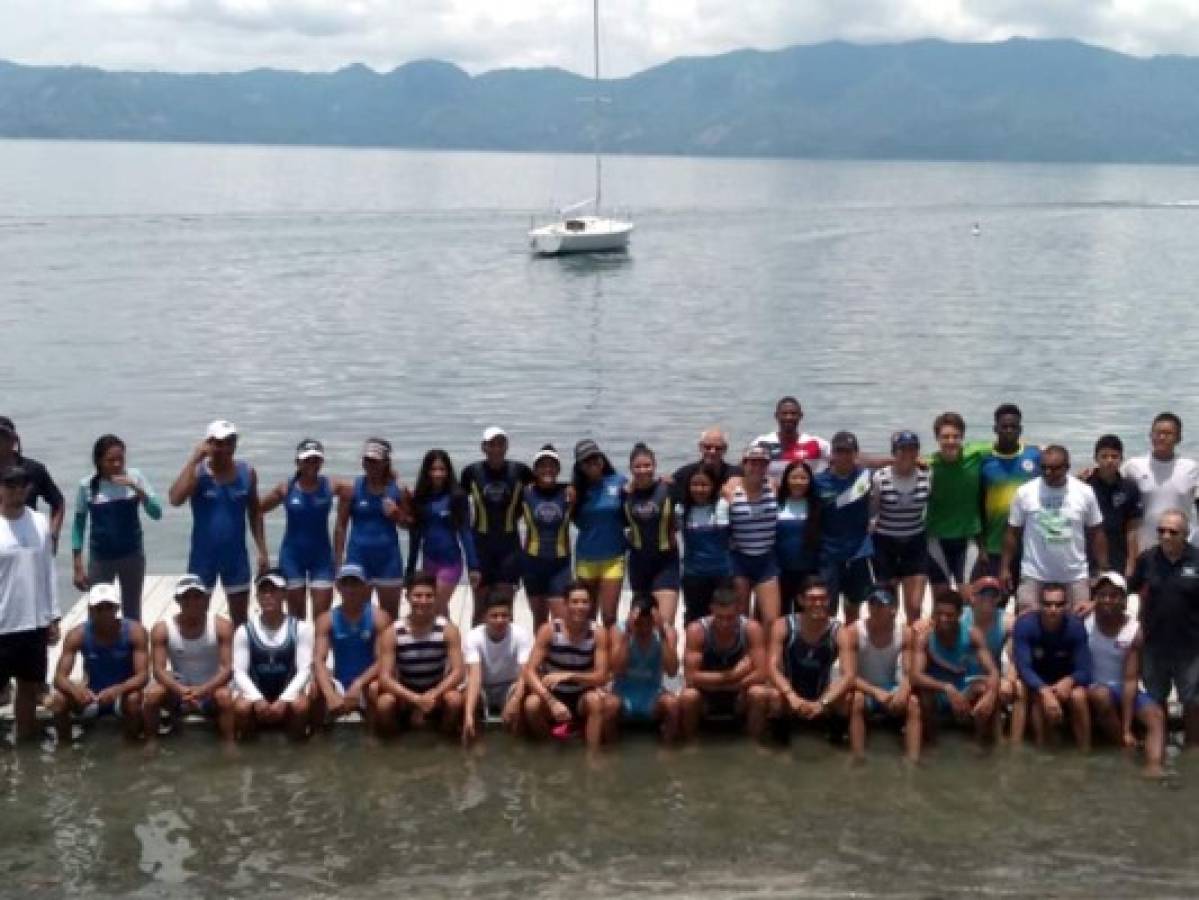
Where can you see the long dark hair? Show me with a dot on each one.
(712, 475)
(582, 484)
(104, 443)
(424, 487)
(812, 526)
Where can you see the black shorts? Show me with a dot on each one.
(499, 559)
(954, 551)
(569, 699)
(791, 582)
(545, 577)
(852, 577)
(896, 557)
(697, 595)
(654, 571)
(23, 655)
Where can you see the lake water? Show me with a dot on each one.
(149, 289)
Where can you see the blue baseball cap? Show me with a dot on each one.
(905, 438)
(882, 595)
(351, 570)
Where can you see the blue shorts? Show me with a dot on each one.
(638, 706)
(757, 569)
(874, 709)
(306, 566)
(230, 565)
(384, 566)
(654, 571)
(852, 577)
(1116, 689)
(546, 577)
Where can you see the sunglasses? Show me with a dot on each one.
(1169, 531)
(714, 448)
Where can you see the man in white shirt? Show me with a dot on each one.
(1167, 481)
(1052, 518)
(788, 444)
(272, 664)
(28, 597)
(495, 652)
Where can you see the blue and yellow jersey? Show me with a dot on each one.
(547, 522)
(1001, 476)
(650, 516)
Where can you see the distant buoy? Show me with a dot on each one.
(976, 230)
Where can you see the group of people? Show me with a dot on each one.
(772, 559)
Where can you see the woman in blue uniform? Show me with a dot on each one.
(370, 511)
(600, 520)
(653, 551)
(545, 509)
(306, 554)
(440, 534)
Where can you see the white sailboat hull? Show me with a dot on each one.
(581, 234)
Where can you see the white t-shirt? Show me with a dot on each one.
(501, 660)
(1164, 485)
(1055, 522)
(28, 588)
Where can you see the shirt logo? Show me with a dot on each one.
(1028, 465)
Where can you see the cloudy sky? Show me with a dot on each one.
(222, 35)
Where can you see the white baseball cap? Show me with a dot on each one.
(494, 432)
(104, 593)
(188, 583)
(221, 429)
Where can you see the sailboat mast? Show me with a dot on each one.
(598, 163)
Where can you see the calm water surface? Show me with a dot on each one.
(148, 289)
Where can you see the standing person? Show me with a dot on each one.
(112, 497)
(495, 653)
(1116, 645)
(787, 444)
(420, 666)
(351, 632)
(843, 491)
(724, 667)
(882, 690)
(1166, 480)
(703, 518)
(191, 658)
(1053, 660)
(713, 445)
(644, 650)
(272, 664)
(753, 526)
(797, 535)
(599, 517)
(941, 666)
(38, 483)
(370, 511)
(494, 485)
(115, 667)
(954, 521)
(440, 533)
(28, 597)
(306, 554)
(803, 649)
(653, 547)
(546, 508)
(1007, 465)
(1120, 503)
(566, 673)
(899, 505)
(223, 492)
(1166, 578)
(1051, 521)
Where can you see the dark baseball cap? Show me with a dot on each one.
(844, 440)
(882, 595)
(905, 438)
(7, 427)
(585, 449)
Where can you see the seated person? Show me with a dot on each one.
(191, 655)
(1053, 660)
(644, 649)
(941, 666)
(803, 648)
(725, 669)
(115, 667)
(495, 653)
(1116, 700)
(983, 611)
(351, 631)
(882, 691)
(272, 664)
(566, 672)
(420, 666)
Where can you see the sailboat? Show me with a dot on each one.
(574, 232)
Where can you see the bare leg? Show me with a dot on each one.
(609, 600)
(385, 714)
(1019, 714)
(592, 708)
(239, 605)
(1104, 712)
(445, 593)
(912, 731)
(668, 604)
(451, 715)
(1154, 720)
(322, 600)
(25, 710)
(668, 711)
(131, 715)
(61, 707)
(152, 701)
(1080, 718)
(690, 707)
(226, 724)
(389, 598)
(743, 588)
(243, 715)
(913, 587)
(928, 715)
(857, 725)
(297, 718)
(1036, 718)
(539, 607)
(852, 612)
(297, 603)
(757, 705)
(537, 718)
(768, 601)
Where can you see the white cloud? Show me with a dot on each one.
(206, 35)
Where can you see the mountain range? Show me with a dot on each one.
(1019, 100)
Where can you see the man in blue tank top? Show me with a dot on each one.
(644, 649)
(351, 631)
(223, 492)
(941, 667)
(116, 667)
